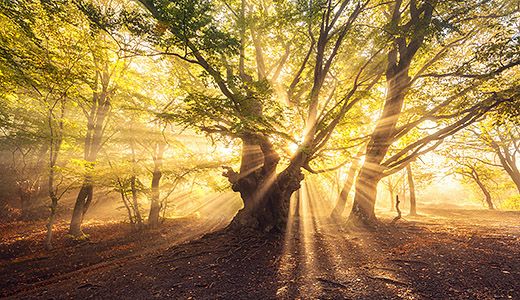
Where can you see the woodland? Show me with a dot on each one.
(260, 149)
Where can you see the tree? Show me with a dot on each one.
(48, 73)
(394, 185)
(411, 27)
(243, 107)
(504, 141)
(411, 187)
(103, 84)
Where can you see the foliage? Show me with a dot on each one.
(511, 203)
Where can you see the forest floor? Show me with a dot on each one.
(441, 254)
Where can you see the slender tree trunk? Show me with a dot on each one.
(25, 200)
(487, 194)
(55, 141)
(155, 205)
(135, 202)
(50, 222)
(411, 186)
(53, 197)
(391, 190)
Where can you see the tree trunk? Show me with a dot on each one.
(343, 195)
(399, 59)
(93, 142)
(25, 200)
(266, 195)
(483, 188)
(391, 190)
(135, 203)
(80, 207)
(155, 205)
(372, 171)
(411, 186)
(362, 212)
(50, 222)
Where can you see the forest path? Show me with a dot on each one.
(446, 254)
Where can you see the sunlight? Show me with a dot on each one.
(293, 148)
(149, 149)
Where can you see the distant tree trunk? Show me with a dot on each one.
(487, 194)
(398, 210)
(343, 195)
(52, 219)
(411, 186)
(135, 202)
(155, 205)
(25, 199)
(391, 190)
(55, 142)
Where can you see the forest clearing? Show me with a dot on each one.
(443, 254)
(260, 149)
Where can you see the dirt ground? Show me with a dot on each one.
(441, 254)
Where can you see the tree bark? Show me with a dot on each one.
(371, 172)
(391, 190)
(343, 195)
(482, 186)
(362, 212)
(155, 205)
(266, 195)
(50, 222)
(411, 186)
(80, 207)
(135, 203)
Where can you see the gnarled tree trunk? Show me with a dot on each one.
(265, 193)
